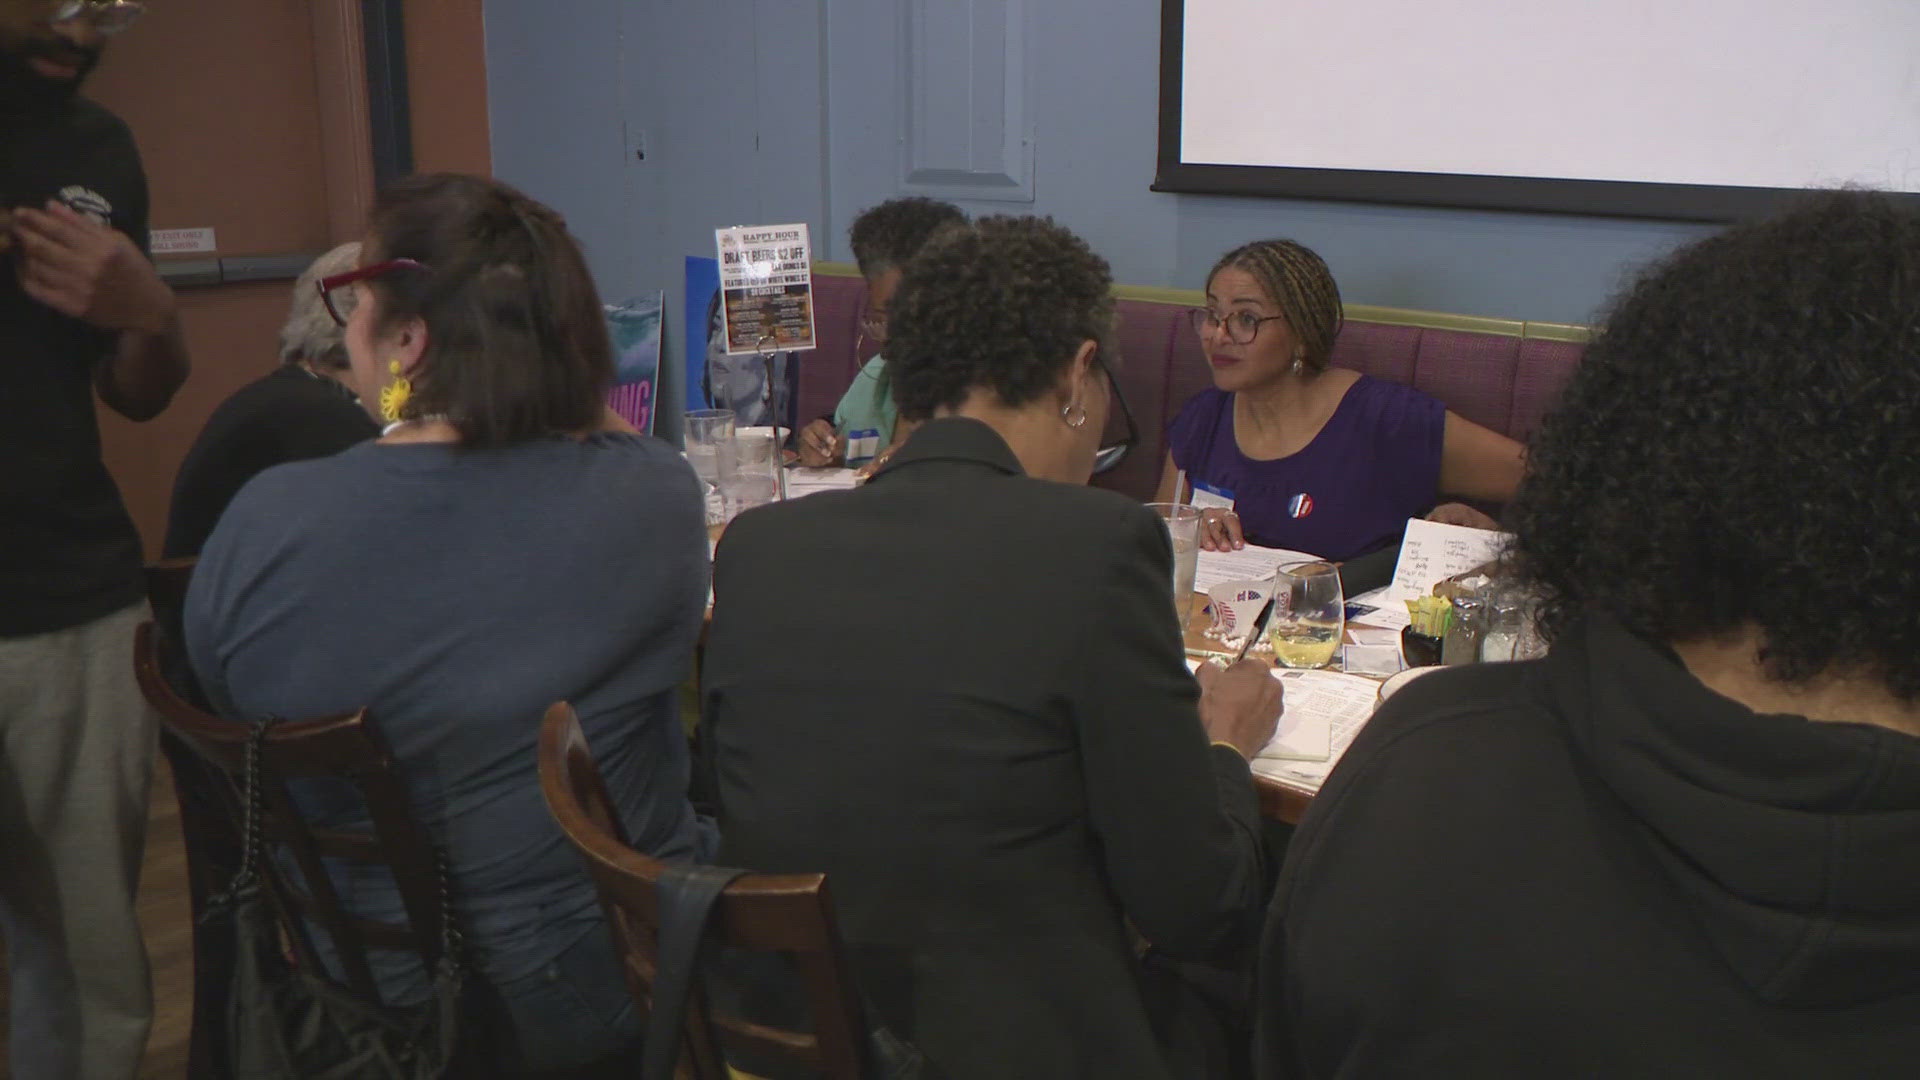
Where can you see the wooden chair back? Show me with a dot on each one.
(211, 840)
(791, 914)
(167, 583)
(345, 748)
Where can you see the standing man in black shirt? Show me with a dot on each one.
(82, 311)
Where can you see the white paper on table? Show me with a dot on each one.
(1375, 609)
(1342, 703)
(1364, 635)
(1303, 733)
(1371, 659)
(806, 481)
(1250, 563)
(1432, 552)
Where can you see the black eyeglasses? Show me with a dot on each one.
(1105, 458)
(1241, 326)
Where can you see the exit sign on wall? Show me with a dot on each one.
(181, 241)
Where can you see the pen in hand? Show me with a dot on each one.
(1253, 630)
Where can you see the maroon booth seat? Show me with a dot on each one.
(1502, 373)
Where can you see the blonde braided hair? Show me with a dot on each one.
(1298, 282)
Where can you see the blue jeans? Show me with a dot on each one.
(575, 1010)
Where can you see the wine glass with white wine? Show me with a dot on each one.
(1309, 615)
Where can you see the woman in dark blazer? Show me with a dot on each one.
(960, 691)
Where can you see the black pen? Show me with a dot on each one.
(1254, 630)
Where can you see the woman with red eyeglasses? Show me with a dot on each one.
(506, 543)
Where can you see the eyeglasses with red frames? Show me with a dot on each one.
(327, 285)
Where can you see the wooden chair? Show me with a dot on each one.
(765, 913)
(212, 842)
(341, 748)
(167, 583)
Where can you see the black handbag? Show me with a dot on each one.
(686, 898)
(288, 1022)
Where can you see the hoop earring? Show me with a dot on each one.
(1074, 414)
(394, 395)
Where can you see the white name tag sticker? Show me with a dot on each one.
(862, 446)
(1211, 498)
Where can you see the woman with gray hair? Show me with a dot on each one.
(303, 409)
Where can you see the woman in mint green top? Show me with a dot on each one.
(867, 406)
(883, 239)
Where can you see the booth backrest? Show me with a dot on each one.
(1502, 373)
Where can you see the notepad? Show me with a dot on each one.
(1332, 702)
(1432, 552)
(1301, 735)
(1319, 707)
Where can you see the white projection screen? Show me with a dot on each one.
(1704, 110)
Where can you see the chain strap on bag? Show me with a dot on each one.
(286, 1022)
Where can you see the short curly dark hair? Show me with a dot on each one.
(887, 235)
(1003, 303)
(1741, 447)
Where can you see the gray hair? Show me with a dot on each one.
(310, 333)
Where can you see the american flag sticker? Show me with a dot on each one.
(1300, 505)
(1235, 602)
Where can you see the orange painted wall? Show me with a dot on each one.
(447, 85)
(263, 175)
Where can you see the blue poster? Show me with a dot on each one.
(635, 328)
(718, 381)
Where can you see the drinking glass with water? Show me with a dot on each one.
(711, 452)
(756, 476)
(1183, 528)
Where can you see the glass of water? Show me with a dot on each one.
(756, 477)
(1183, 526)
(1309, 615)
(711, 452)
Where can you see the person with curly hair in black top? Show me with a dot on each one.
(1018, 767)
(1684, 843)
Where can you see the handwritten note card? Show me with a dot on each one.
(1432, 552)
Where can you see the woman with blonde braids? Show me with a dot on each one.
(1294, 454)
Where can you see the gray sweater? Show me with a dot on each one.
(456, 594)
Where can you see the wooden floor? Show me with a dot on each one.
(169, 930)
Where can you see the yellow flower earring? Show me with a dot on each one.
(394, 395)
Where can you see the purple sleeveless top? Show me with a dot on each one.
(1375, 464)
